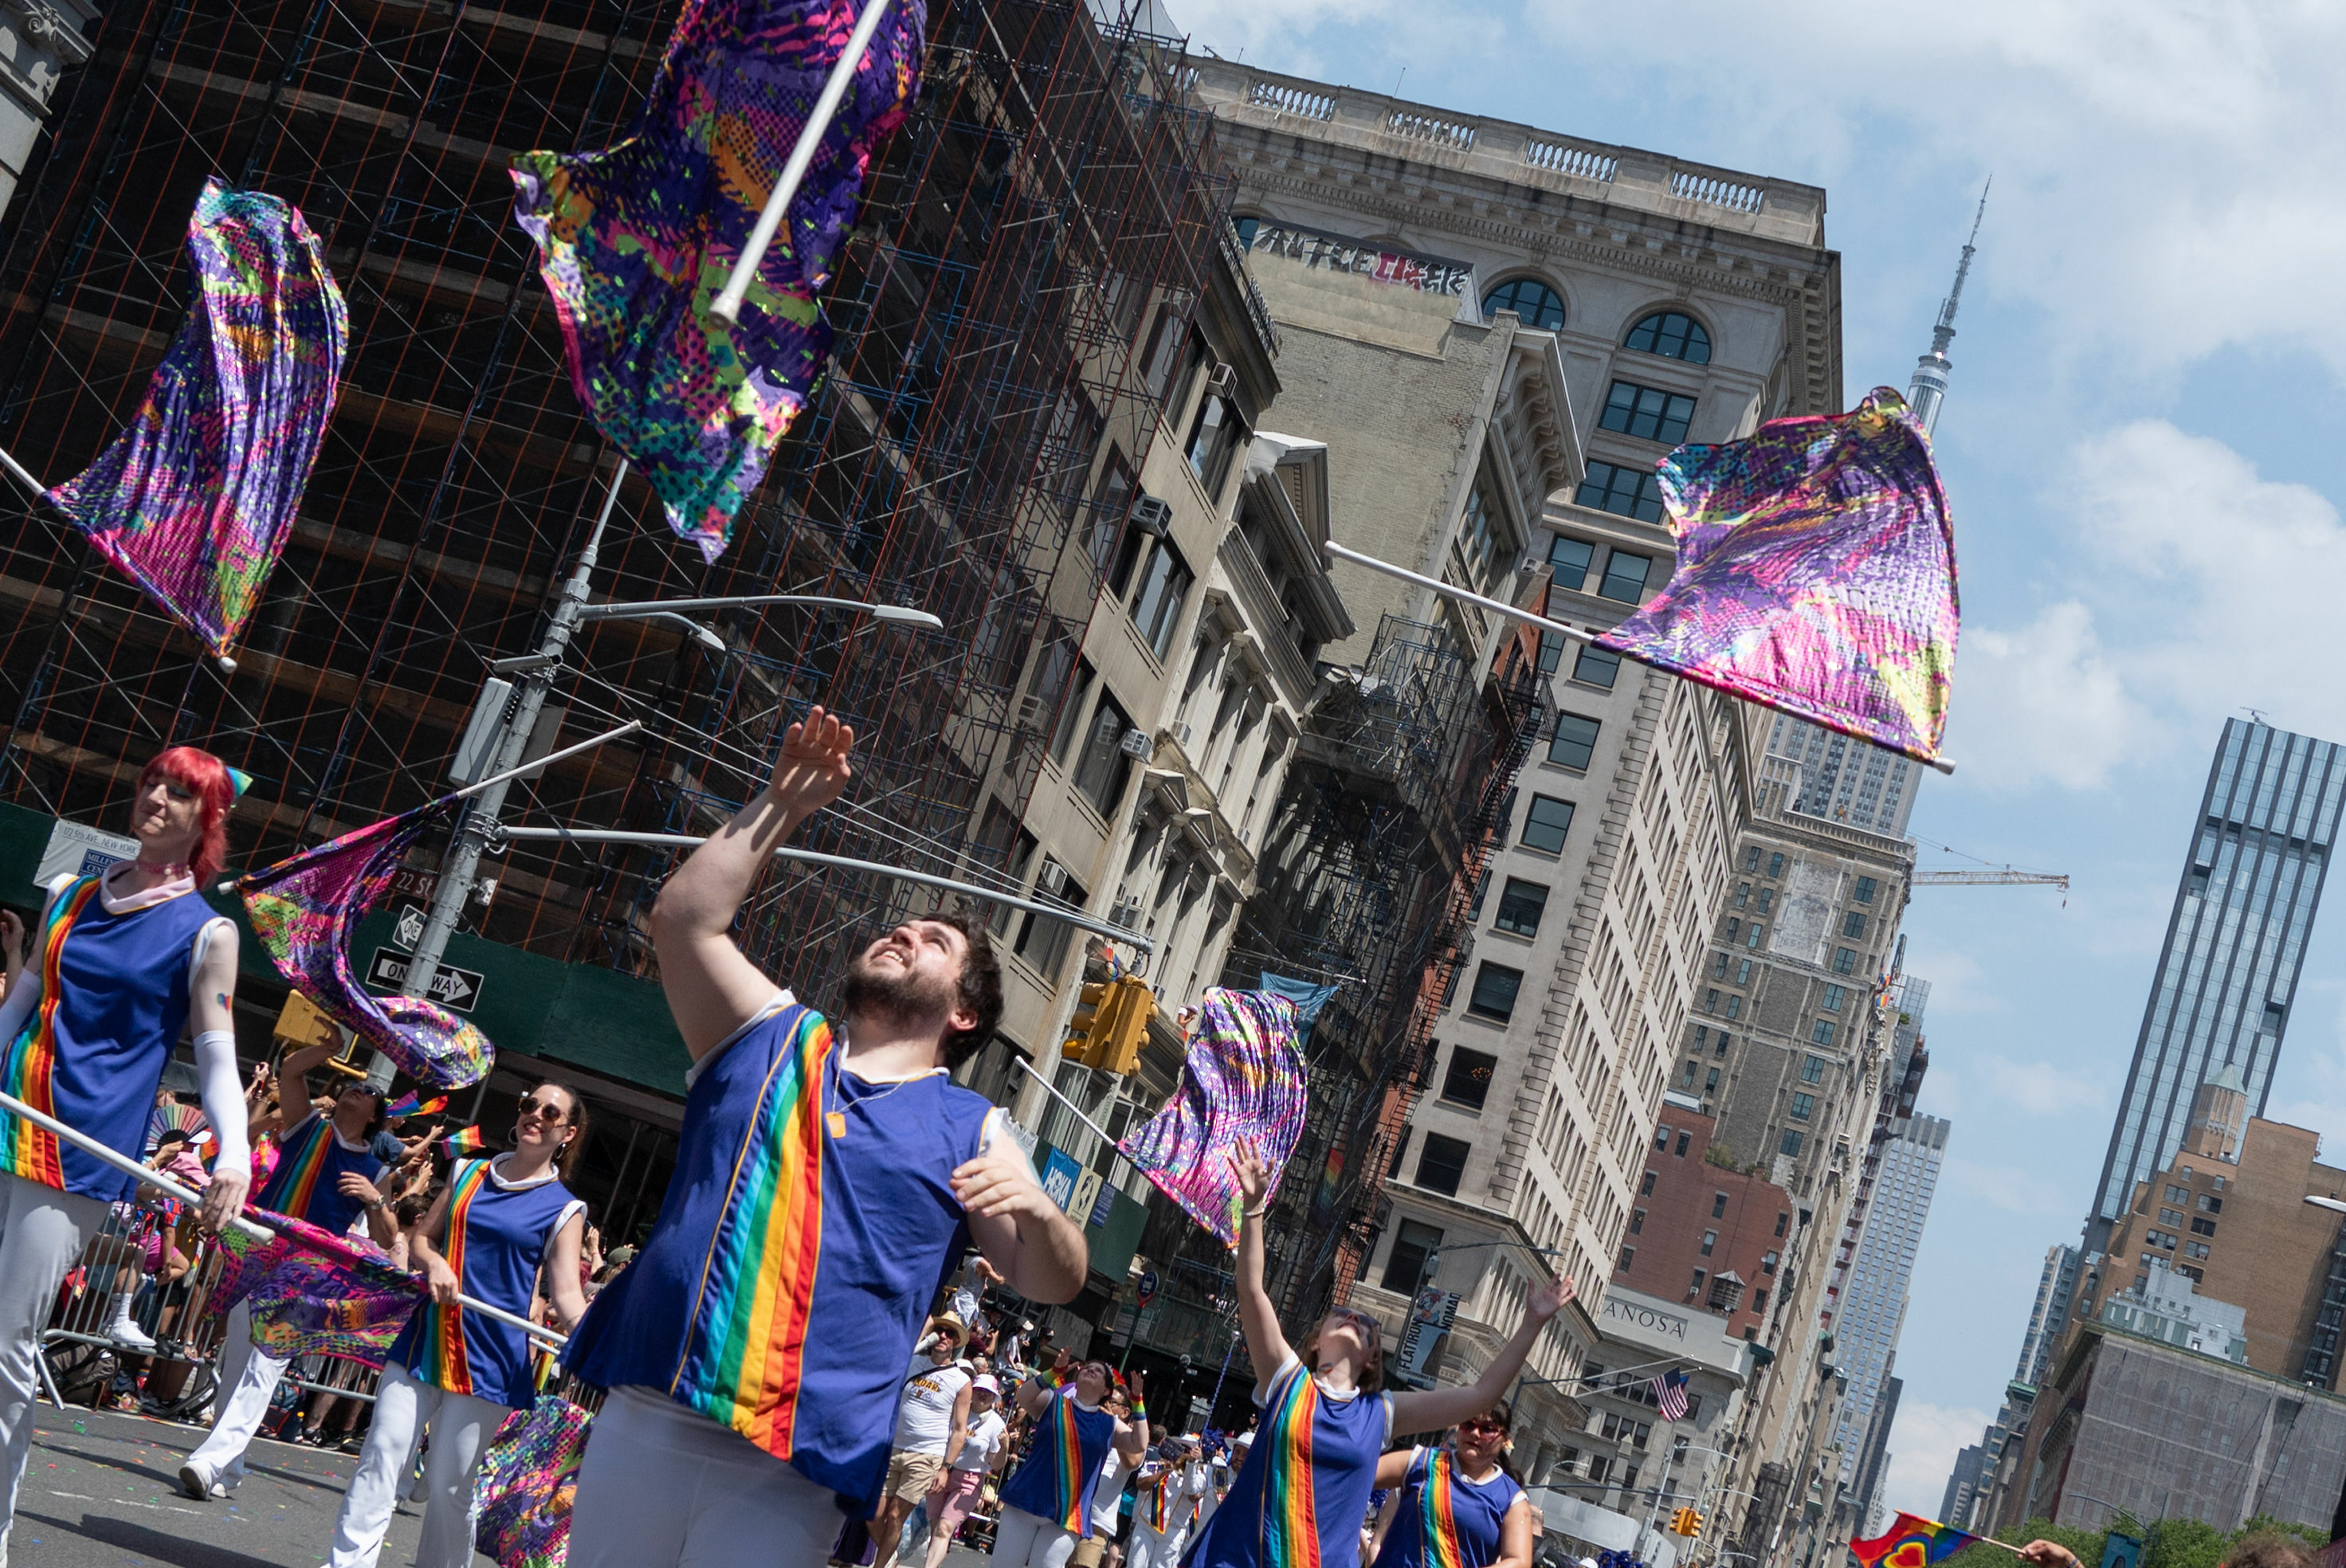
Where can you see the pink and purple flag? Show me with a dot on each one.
(1816, 575)
(305, 909)
(635, 243)
(1911, 1541)
(528, 1480)
(194, 500)
(1242, 1081)
(312, 1293)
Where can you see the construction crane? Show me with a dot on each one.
(1991, 879)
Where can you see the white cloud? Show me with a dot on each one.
(2040, 1088)
(1923, 1441)
(2042, 703)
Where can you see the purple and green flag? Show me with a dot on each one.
(636, 241)
(1816, 575)
(1242, 1082)
(194, 500)
(305, 910)
(528, 1482)
(312, 1293)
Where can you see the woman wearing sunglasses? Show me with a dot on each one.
(1304, 1488)
(497, 1225)
(1046, 1505)
(1456, 1505)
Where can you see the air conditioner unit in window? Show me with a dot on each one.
(1052, 878)
(1223, 381)
(1137, 743)
(1152, 516)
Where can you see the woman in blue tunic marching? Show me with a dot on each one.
(497, 1225)
(1046, 1506)
(1457, 1507)
(1304, 1488)
(121, 962)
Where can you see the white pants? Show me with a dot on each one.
(1148, 1549)
(248, 1381)
(1023, 1540)
(41, 1233)
(461, 1426)
(662, 1485)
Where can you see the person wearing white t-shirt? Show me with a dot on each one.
(932, 1419)
(1108, 1500)
(964, 1477)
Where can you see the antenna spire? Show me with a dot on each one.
(1928, 389)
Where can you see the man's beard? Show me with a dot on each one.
(898, 996)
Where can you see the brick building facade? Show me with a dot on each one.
(1704, 1235)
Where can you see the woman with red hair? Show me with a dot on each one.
(120, 962)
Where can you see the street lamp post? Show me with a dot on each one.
(479, 826)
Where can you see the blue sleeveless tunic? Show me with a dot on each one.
(496, 1239)
(1303, 1491)
(1446, 1521)
(1062, 1464)
(307, 1183)
(808, 1223)
(114, 1000)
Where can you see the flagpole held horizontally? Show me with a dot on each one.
(727, 306)
(194, 1200)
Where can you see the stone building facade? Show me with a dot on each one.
(1399, 245)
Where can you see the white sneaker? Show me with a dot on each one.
(195, 1484)
(128, 1334)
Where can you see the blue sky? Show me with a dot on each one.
(2140, 446)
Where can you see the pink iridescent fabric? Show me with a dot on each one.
(1243, 1080)
(1816, 575)
(528, 1479)
(305, 910)
(312, 1293)
(635, 243)
(194, 500)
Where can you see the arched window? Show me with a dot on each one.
(1673, 334)
(1535, 303)
(1246, 227)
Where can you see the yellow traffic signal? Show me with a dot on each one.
(1110, 1024)
(1687, 1522)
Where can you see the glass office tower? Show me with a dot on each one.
(2235, 943)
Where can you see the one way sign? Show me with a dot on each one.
(458, 988)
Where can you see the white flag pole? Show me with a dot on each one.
(727, 306)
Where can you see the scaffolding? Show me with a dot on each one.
(1052, 197)
(1380, 834)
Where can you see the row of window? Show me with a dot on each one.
(1569, 561)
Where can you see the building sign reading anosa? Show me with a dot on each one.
(1646, 1318)
(1426, 274)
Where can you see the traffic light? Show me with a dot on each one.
(1687, 1522)
(1111, 1023)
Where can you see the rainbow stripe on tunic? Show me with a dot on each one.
(27, 1151)
(294, 1181)
(441, 1354)
(1291, 1523)
(1068, 1461)
(1436, 1513)
(1159, 1514)
(746, 1344)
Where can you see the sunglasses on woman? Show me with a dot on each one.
(545, 1110)
(1483, 1426)
(1368, 1325)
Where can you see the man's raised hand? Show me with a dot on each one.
(814, 768)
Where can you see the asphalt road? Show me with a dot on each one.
(103, 1489)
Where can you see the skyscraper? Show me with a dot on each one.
(1873, 1308)
(2234, 943)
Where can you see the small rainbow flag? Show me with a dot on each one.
(457, 1145)
(1911, 1541)
(412, 1104)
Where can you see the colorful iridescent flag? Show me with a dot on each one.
(305, 910)
(1911, 1541)
(636, 242)
(528, 1482)
(1244, 1081)
(313, 1293)
(1816, 575)
(195, 498)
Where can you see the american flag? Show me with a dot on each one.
(1671, 1395)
